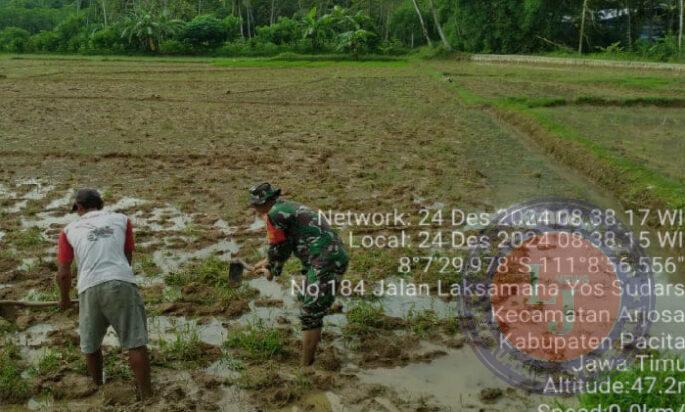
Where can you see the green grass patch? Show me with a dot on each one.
(423, 322)
(374, 264)
(451, 325)
(631, 102)
(636, 82)
(46, 295)
(532, 103)
(229, 361)
(536, 102)
(639, 183)
(293, 57)
(257, 341)
(211, 272)
(653, 387)
(143, 263)
(25, 239)
(6, 326)
(615, 56)
(71, 355)
(292, 60)
(171, 294)
(32, 208)
(258, 378)
(103, 58)
(185, 347)
(8, 259)
(48, 364)
(225, 294)
(364, 317)
(116, 367)
(13, 388)
(439, 53)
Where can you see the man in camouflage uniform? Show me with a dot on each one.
(293, 228)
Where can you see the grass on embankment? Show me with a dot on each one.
(634, 183)
(654, 386)
(672, 102)
(283, 60)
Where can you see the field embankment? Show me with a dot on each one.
(620, 125)
(575, 61)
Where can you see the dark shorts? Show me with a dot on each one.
(117, 304)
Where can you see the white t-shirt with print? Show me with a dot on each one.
(98, 241)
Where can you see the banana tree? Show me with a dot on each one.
(147, 30)
(355, 42)
(315, 28)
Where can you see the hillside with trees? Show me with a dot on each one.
(639, 28)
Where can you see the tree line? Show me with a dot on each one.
(653, 28)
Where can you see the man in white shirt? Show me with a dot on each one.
(102, 243)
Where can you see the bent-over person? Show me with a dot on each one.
(102, 244)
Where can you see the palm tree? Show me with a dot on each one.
(147, 29)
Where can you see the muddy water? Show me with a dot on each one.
(401, 305)
(211, 331)
(318, 401)
(23, 191)
(270, 315)
(31, 342)
(169, 328)
(171, 260)
(453, 381)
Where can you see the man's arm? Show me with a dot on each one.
(65, 256)
(130, 244)
(64, 284)
(280, 247)
(278, 255)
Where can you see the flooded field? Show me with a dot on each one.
(175, 146)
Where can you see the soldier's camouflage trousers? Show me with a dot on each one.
(319, 294)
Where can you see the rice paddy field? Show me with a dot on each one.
(175, 144)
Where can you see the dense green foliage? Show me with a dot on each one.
(648, 28)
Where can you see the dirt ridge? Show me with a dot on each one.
(569, 61)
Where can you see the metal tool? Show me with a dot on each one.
(235, 272)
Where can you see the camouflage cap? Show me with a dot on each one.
(262, 193)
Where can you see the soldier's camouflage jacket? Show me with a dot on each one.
(293, 228)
